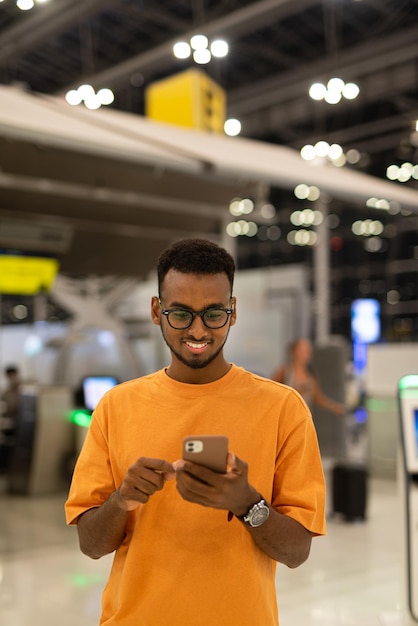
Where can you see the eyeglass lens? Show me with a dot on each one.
(212, 318)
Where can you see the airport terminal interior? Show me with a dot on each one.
(287, 132)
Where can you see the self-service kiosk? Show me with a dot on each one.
(408, 411)
(44, 437)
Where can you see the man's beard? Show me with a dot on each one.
(192, 363)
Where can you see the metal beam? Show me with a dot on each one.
(390, 52)
(77, 191)
(44, 24)
(235, 23)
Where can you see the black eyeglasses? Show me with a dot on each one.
(180, 319)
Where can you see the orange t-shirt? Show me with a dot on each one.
(182, 564)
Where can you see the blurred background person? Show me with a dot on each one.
(298, 373)
(10, 396)
(9, 408)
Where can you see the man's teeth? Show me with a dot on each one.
(196, 345)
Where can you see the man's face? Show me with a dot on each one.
(196, 347)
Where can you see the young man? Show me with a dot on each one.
(195, 547)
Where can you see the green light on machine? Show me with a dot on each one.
(408, 381)
(81, 417)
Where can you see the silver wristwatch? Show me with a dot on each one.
(257, 515)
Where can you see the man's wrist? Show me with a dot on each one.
(244, 506)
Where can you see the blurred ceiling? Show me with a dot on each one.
(277, 49)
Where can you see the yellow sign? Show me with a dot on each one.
(190, 99)
(26, 275)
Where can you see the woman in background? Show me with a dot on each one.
(297, 373)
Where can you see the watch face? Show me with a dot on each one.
(259, 516)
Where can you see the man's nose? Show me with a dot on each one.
(197, 326)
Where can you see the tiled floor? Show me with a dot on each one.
(354, 574)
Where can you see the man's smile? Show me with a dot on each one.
(196, 346)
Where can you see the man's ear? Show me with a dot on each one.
(155, 310)
(234, 314)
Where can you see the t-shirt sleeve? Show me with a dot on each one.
(299, 485)
(92, 482)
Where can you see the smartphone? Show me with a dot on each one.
(208, 450)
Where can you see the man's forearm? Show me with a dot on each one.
(283, 539)
(101, 529)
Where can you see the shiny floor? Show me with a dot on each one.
(354, 574)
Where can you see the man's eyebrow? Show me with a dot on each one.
(181, 305)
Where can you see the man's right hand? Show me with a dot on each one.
(143, 478)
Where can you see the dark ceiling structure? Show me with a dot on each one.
(277, 49)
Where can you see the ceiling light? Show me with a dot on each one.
(242, 227)
(335, 151)
(199, 42)
(268, 211)
(247, 206)
(233, 229)
(25, 5)
(321, 148)
(234, 207)
(181, 50)
(333, 97)
(105, 96)
(402, 173)
(219, 48)
(232, 127)
(301, 191)
(317, 91)
(86, 94)
(302, 237)
(92, 102)
(351, 91)
(335, 85)
(73, 97)
(201, 53)
(353, 156)
(307, 152)
(314, 193)
(202, 56)
(86, 91)
(334, 90)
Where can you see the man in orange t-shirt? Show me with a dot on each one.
(194, 547)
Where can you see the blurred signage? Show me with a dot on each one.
(26, 275)
(365, 320)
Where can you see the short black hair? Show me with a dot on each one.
(195, 256)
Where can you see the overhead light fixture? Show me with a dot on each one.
(402, 173)
(322, 150)
(232, 127)
(27, 5)
(334, 91)
(202, 56)
(182, 50)
(91, 99)
(200, 49)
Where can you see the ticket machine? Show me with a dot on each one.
(408, 412)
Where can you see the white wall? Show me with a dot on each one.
(26, 346)
(386, 365)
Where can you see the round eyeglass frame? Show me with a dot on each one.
(194, 314)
